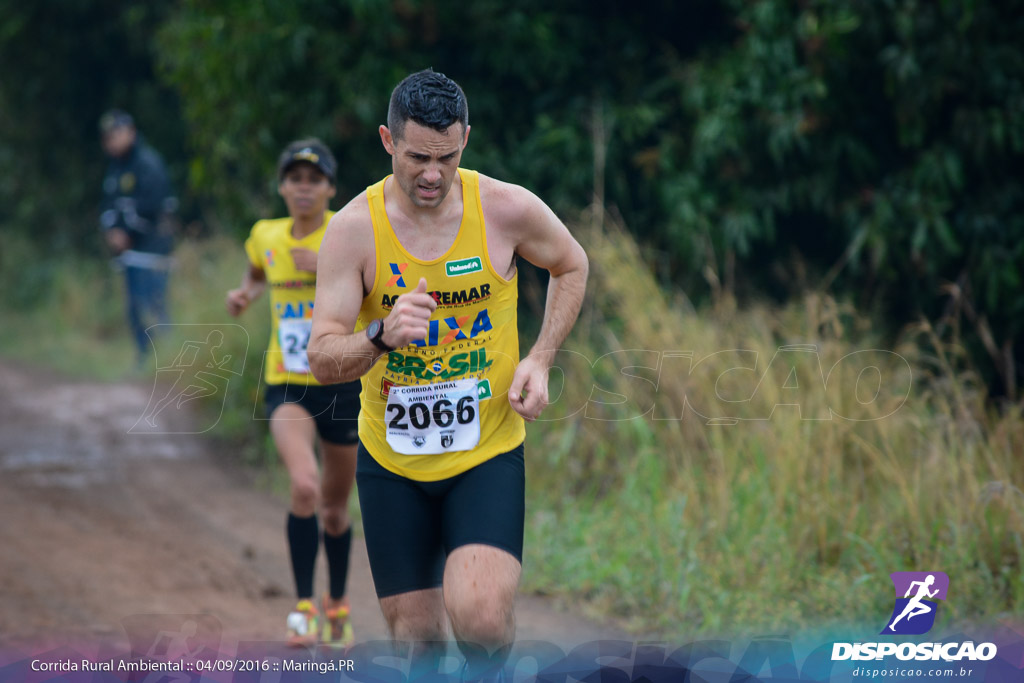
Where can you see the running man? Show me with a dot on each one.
(423, 266)
(283, 253)
(916, 607)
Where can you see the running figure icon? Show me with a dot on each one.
(190, 371)
(917, 606)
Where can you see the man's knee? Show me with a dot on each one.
(416, 616)
(305, 491)
(486, 620)
(335, 519)
(416, 628)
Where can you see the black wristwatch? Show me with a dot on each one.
(375, 333)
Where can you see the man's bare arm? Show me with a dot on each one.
(336, 353)
(253, 283)
(543, 240)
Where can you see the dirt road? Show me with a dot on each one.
(103, 531)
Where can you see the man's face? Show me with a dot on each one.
(425, 160)
(117, 141)
(306, 190)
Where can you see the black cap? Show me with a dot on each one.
(115, 118)
(312, 151)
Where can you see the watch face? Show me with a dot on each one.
(373, 329)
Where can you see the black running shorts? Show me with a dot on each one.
(334, 407)
(411, 526)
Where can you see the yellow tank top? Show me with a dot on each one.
(473, 342)
(292, 292)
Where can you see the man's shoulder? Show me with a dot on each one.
(349, 240)
(351, 226)
(354, 213)
(504, 202)
(493, 186)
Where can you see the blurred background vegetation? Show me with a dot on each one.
(745, 174)
(870, 149)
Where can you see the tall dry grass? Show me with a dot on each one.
(773, 477)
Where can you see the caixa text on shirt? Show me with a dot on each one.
(454, 328)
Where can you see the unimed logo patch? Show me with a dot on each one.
(917, 596)
(463, 266)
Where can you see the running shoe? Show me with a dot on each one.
(337, 629)
(304, 625)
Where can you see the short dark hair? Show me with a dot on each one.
(430, 99)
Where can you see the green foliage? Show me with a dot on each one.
(253, 76)
(880, 142)
(869, 148)
(62, 312)
(65, 63)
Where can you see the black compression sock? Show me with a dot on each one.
(337, 548)
(303, 544)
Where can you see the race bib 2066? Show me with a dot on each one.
(433, 418)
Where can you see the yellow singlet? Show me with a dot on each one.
(291, 297)
(425, 399)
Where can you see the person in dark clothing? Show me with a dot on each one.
(134, 216)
